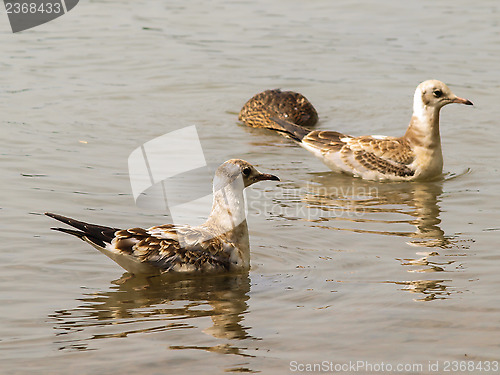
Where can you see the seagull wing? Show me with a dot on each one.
(164, 248)
(286, 105)
(367, 156)
(175, 249)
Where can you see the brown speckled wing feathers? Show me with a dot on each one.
(385, 155)
(170, 248)
(326, 141)
(387, 167)
(390, 148)
(286, 105)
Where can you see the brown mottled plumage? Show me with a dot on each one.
(416, 155)
(161, 247)
(389, 156)
(220, 244)
(285, 105)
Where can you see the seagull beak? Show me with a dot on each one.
(265, 176)
(461, 101)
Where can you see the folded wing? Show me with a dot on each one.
(174, 249)
(368, 156)
(155, 250)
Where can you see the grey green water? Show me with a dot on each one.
(342, 269)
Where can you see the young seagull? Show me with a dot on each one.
(291, 106)
(220, 244)
(415, 155)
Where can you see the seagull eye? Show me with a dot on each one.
(246, 171)
(438, 93)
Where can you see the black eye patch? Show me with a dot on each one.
(437, 93)
(246, 171)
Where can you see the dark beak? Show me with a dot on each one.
(461, 101)
(265, 176)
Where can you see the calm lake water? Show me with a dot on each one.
(342, 269)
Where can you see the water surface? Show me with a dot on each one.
(342, 269)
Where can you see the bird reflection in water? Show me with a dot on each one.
(158, 304)
(379, 205)
(429, 289)
(343, 203)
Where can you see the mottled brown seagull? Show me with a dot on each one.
(220, 244)
(291, 106)
(415, 155)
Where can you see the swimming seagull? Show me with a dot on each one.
(286, 105)
(220, 244)
(415, 155)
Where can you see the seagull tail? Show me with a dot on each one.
(294, 131)
(96, 234)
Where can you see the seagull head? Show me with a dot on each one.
(232, 169)
(433, 93)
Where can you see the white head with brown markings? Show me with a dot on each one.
(431, 96)
(230, 171)
(423, 132)
(231, 178)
